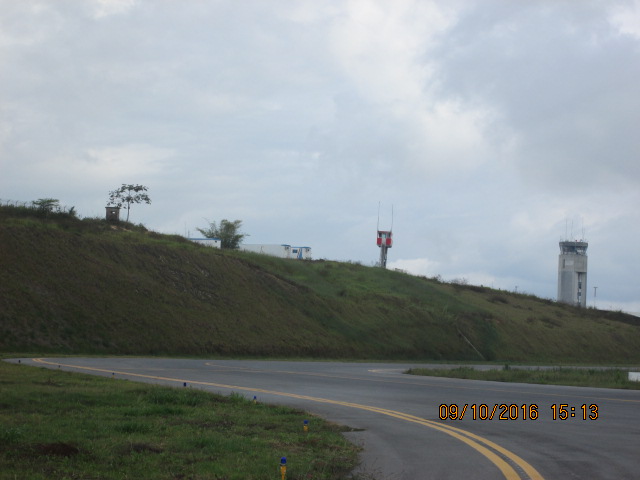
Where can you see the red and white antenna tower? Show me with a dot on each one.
(384, 240)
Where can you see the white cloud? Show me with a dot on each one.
(486, 124)
(626, 17)
(106, 8)
(131, 160)
(385, 51)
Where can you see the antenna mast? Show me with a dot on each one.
(384, 239)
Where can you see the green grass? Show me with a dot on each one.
(59, 425)
(85, 286)
(580, 377)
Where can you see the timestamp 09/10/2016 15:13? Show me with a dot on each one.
(504, 411)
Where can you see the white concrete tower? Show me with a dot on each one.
(572, 273)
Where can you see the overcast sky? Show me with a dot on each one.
(494, 128)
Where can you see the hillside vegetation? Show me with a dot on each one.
(89, 287)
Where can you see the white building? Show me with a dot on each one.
(572, 273)
(301, 253)
(281, 251)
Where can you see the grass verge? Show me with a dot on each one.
(60, 425)
(579, 377)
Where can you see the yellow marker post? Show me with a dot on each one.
(305, 426)
(283, 468)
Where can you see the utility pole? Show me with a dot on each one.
(595, 290)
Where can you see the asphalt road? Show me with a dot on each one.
(402, 433)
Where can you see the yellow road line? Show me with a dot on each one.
(472, 440)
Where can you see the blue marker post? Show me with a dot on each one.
(283, 468)
(305, 426)
(255, 400)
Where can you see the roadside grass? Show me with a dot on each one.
(60, 425)
(579, 377)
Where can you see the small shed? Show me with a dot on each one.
(113, 214)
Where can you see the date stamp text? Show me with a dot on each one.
(513, 411)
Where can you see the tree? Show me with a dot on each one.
(128, 194)
(228, 233)
(46, 205)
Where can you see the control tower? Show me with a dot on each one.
(572, 273)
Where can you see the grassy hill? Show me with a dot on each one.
(85, 286)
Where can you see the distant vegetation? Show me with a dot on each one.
(228, 232)
(127, 195)
(70, 285)
(579, 377)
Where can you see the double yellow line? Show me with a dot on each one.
(499, 456)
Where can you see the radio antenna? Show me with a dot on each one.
(572, 237)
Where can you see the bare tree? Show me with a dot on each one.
(128, 194)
